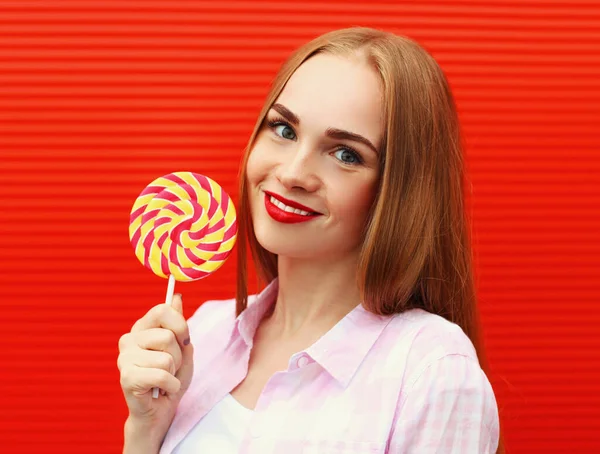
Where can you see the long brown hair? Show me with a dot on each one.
(416, 252)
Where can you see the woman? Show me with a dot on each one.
(366, 338)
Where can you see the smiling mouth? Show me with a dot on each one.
(290, 206)
(287, 211)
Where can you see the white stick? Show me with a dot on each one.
(170, 290)
(168, 302)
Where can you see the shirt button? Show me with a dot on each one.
(302, 361)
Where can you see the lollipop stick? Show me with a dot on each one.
(168, 301)
(170, 290)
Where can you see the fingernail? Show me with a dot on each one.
(187, 341)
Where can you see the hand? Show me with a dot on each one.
(156, 353)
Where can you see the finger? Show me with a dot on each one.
(164, 316)
(140, 380)
(125, 341)
(148, 359)
(158, 340)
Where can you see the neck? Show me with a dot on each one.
(313, 295)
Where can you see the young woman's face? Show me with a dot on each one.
(313, 170)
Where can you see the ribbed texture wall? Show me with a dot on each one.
(99, 98)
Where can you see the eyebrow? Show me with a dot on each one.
(334, 133)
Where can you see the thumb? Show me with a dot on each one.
(177, 303)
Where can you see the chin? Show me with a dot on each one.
(280, 243)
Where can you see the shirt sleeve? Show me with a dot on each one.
(449, 409)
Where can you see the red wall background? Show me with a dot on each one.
(98, 98)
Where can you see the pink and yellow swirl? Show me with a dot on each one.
(183, 224)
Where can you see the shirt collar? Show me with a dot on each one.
(344, 347)
(340, 351)
(247, 322)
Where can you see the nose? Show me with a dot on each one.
(296, 171)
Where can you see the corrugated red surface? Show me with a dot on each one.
(99, 98)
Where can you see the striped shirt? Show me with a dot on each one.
(406, 383)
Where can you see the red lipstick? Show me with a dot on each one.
(287, 217)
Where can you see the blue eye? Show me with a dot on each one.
(282, 129)
(286, 132)
(348, 156)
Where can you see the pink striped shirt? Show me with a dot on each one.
(407, 383)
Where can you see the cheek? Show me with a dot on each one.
(258, 165)
(252, 168)
(353, 204)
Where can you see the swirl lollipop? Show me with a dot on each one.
(183, 227)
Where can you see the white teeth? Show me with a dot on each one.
(284, 207)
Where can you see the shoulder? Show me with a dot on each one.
(443, 384)
(426, 337)
(416, 341)
(449, 405)
(210, 328)
(214, 315)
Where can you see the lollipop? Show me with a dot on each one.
(183, 227)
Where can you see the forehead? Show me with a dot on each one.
(331, 91)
